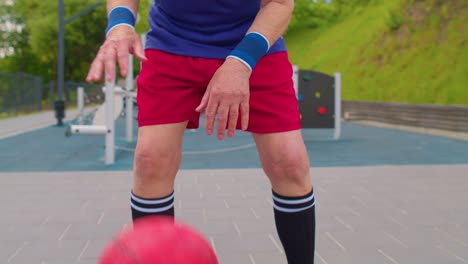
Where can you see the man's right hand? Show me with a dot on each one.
(120, 42)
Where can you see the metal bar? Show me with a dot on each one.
(59, 105)
(337, 132)
(80, 104)
(61, 45)
(129, 102)
(38, 85)
(296, 79)
(88, 130)
(110, 137)
(117, 90)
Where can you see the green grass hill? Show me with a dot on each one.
(407, 51)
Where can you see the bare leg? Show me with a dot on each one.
(157, 159)
(285, 162)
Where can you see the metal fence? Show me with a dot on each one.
(19, 93)
(444, 117)
(93, 93)
(26, 93)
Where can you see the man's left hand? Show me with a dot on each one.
(227, 98)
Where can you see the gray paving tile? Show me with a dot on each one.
(273, 257)
(93, 250)
(227, 244)
(8, 249)
(234, 258)
(255, 226)
(414, 214)
(58, 251)
(80, 231)
(214, 228)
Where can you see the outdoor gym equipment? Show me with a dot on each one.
(319, 97)
(104, 119)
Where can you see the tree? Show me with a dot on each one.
(38, 42)
(82, 37)
(14, 52)
(312, 14)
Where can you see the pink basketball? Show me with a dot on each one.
(159, 240)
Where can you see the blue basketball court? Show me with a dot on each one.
(47, 149)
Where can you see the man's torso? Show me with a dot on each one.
(202, 28)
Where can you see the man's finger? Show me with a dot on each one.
(210, 115)
(109, 63)
(222, 117)
(244, 109)
(96, 69)
(138, 50)
(94, 73)
(123, 57)
(233, 117)
(204, 101)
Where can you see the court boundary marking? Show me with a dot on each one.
(198, 152)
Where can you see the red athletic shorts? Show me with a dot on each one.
(170, 87)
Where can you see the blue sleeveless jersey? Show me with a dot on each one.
(202, 28)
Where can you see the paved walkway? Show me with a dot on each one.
(18, 125)
(365, 215)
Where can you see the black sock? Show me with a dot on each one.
(158, 206)
(295, 223)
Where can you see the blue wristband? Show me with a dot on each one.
(251, 49)
(120, 15)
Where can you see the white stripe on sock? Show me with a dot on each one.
(156, 201)
(292, 210)
(151, 210)
(299, 201)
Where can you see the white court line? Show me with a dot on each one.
(321, 258)
(332, 238)
(46, 220)
(212, 151)
(99, 221)
(459, 241)
(17, 251)
(451, 254)
(83, 250)
(255, 213)
(252, 259)
(359, 201)
(397, 222)
(388, 257)
(273, 240)
(395, 239)
(351, 210)
(64, 232)
(213, 244)
(236, 227)
(341, 221)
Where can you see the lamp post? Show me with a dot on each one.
(59, 105)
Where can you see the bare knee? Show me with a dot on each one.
(287, 167)
(157, 159)
(153, 163)
(154, 171)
